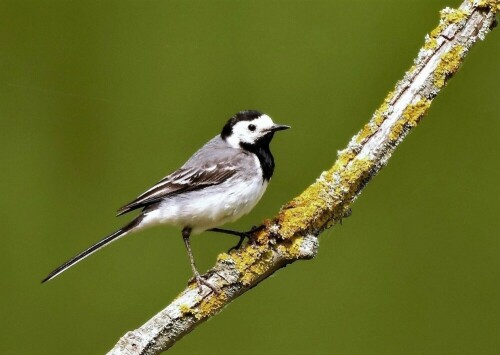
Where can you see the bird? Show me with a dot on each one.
(218, 184)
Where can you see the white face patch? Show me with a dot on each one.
(249, 131)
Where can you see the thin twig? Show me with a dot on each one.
(292, 234)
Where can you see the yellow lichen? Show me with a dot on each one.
(366, 132)
(317, 205)
(223, 257)
(251, 261)
(294, 249)
(353, 176)
(257, 269)
(492, 4)
(450, 16)
(245, 257)
(262, 236)
(345, 157)
(397, 130)
(410, 118)
(291, 247)
(436, 32)
(448, 65)
(378, 117)
(431, 43)
(414, 113)
(185, 309)
(211, 305)
(307, 207)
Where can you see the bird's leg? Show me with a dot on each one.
(186, 233)
(242, 235)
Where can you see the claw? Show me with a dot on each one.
(200, 281)
(240, 243)
(243, 235)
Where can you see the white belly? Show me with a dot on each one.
(209, 207)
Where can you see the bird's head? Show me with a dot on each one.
(250, 128)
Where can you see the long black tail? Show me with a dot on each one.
(110, 238)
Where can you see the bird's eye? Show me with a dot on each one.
(251, 127)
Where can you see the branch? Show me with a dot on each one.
(293, 234)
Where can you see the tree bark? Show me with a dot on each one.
(293, 234)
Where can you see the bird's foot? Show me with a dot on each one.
(243, 235)
(238, 245)
(200, 281)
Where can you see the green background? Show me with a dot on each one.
(100, 99)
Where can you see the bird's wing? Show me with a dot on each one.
(180, 181)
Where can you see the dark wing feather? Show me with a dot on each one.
(181, 181)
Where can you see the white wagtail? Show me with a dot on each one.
(220, 183)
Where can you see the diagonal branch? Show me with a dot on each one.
(292, 234)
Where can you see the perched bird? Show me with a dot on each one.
(221, 182)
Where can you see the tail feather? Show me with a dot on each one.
(110, 238)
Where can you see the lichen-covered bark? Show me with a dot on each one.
(292, 234)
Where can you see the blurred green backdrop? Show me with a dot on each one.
(100, 99)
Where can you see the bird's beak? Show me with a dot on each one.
(278, 127)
